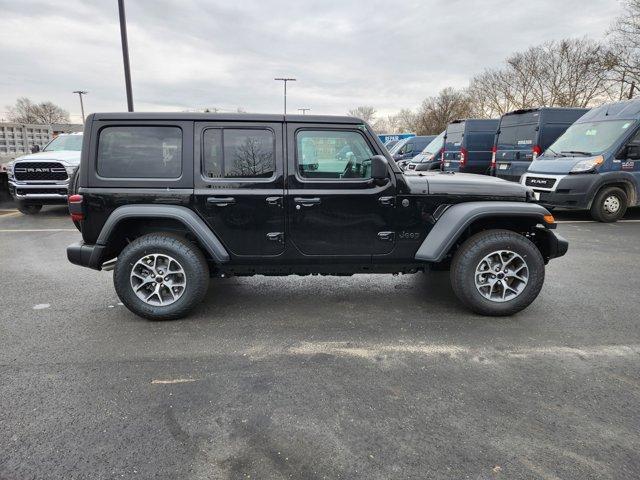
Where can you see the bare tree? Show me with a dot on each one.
(365, 112)
(624, 37)
(435, 113)
(252, 160)
(25, 111)
(566, 73)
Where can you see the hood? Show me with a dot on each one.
(444, 183)
(555, 164)
(71, 157)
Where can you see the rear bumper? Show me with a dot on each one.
(86, 255)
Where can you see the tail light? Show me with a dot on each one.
(463, 157)
(494, 151)
(75, 207)
(536, 151)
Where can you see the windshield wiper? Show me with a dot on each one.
(577, 152)
(554, 153)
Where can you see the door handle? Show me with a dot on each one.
(221, 201)
(388, 201)
(275, 201)
(307, 202)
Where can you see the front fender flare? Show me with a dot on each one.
(453, 222)
(187, 217)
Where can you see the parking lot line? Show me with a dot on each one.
(593, 221)
(32, 230)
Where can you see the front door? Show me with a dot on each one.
(239, 185)
(335, 208)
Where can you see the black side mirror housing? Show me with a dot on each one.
(35, 149)
(379, 167)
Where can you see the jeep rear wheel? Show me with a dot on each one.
(497, 272)
(610, 205)
(161, 277)
(29, 209)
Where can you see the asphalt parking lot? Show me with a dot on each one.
(370, 377)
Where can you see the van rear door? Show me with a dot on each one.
(517, 137)
(452, 146)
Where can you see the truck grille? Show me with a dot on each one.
(540, 182)
(39, 171)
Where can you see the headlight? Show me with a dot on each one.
(9, 169)
(587, 165)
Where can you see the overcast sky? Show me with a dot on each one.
(188, 54)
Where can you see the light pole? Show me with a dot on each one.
(80, 94)
(285, 80)
(304, 110)
(125, 54)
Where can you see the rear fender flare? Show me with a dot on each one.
(453, 222)
(187, 217)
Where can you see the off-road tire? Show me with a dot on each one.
(471, 253)
(29, 209)
(599, 210)
(190, 258)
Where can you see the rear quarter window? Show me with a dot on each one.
(140, 152)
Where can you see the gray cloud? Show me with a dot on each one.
(193, 54)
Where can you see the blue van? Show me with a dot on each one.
(468, 145)
(410, 148)
(594, 165)
(524, 134)
(429, 158)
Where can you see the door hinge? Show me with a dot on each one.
(387, 201)
(276, 237)
(387, 236)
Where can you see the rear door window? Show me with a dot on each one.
(238, 153)
(479, 141)
(517, 137)
(454, 140)
(140, 152)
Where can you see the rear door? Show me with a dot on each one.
(479, 147)
(239, 185)
(335, 208)
(452, 146)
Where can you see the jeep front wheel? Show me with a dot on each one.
(161, 277)
(497, 272)
(610, 205)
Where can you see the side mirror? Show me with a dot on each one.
(35, 149)
(633, 152)
(379, 167)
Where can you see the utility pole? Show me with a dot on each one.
(633, 87)
(285, 80)
(125, 55)
(304, 110)
(80, 94)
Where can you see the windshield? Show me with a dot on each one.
(65, 142)
(397, 146)
(590, 138)
(434, 146)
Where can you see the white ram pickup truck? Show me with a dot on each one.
(43, 177)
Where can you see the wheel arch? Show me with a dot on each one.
(131, 221)
(622, 180)
(462, 220)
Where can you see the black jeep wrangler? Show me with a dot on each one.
(171, 199)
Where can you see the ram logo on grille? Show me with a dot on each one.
(540, 182)
(40, 171)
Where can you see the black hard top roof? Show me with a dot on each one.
(225, 117)
(627, 110)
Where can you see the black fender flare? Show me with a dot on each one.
(453, 222)
(187, 217)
